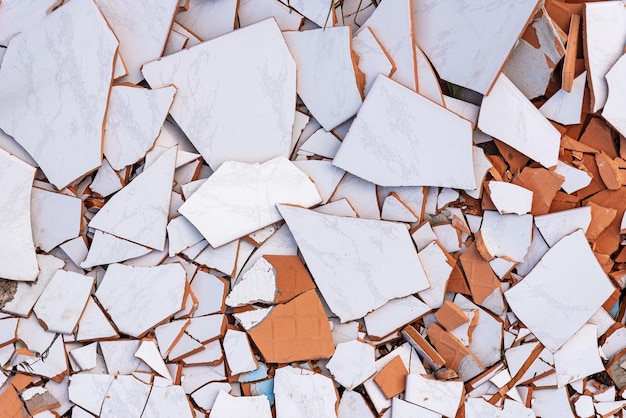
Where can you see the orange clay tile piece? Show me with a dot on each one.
(609, 171)
(560, 12)
(298, 330)
(601, 218)
(609, 240)
(571, 144)
(11, 405)
(292, 278)
(513, 157)
(564, 201)
(599, 136)
(20, 381)
(543, 183)
(596, 185)
(456, 355)
(450, 316)
(457, 282)
(423, 347)
(392, 378)
(611, 301)
(569, 64)
(446, 374)
(480, 277)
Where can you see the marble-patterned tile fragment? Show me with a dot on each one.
(209, 19)
(616, 101)
(373, 59)
(253, 11)
(55, 218)
(301, 393)
(19, 15)
(566, 107)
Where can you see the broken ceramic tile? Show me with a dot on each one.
(227, 406)
(395, 210)
(505, 236)
(17, 16)
(616, 98)
(55, 218)
(443, 397)
(253, 11)
(238, 352)
(394, 315)
(352, 363)
(293, 388)
(325, 176)
(579, 356)
(106, 249)
(510, 198)
(566, 107)
(557, 225)
(373, 59)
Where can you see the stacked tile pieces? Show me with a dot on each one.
(338, 209)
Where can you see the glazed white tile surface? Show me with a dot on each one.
(448, 237)
(605, 38)
(240, 198)
(377, 259)
(55, 218)
(209, 18)
(562, 292)
(446, 196)
(423, 236)
(507, 114)
(352, 363)
(257, 285)
(427, 81)
(481, 166)
(238, 352)
(251, 65)
(554, 226)
(88, 390)
(206, 396)
(126, 397)
(468, 44)
(507, 235)
(106, 181)
(19, 15)
(107, 249)
(352, 405)
(326, 80)
(316, 11)
(175, 42)
(325, 176)
(148, 352)
(85, 356)
(93, 324)
(510, 198)
(227, 406)
(391, 141)
(552, 403)
(443, 397)
(142, 29)
(338, 208)
(42, 104)
(181, 234)
(373, 59)
(392, 23)
(404, 409)
(466, 110)
(182, 157)
(210, 292)
(616, 102)
(138, 298)
(17, 250)
(393, 315)
(360, 193)
(71, 288)
(480, 408)
(133, 122)
(223, 258)
(579, 356)
(11, 146)
(139, 212)
(354, 13)
(438, 270)
(566, 108)
(167, 402)
(321, 143)
(301, 393)
(253, 11)
(395, 210)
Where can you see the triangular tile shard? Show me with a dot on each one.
(241, 198)
(326, 81)
(250, 65)
(139, 211)
(17, 249)
(400, 138)
(616, 102)
(53, 107)
(375, 260)
(468, 45)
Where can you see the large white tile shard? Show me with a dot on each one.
(509, 116)
(443, 397)
(556, 225)
(253, 11)
(326, 80)
(506, 236)
(19, 15)
(133, 122)
(468, 44)
(126, 397)
(579, 356)
(55, 218)
(375, 260)
(139, 212)
(250, 65)
(566, 107)
(227, 406)
(352, 363)
(616, 102)
(142, 29)
(168, 401)
(89, 390)
(605, 38)
(510, 198)
(138, 298)
(241, 198)
(302, 393)
(562, 292)
(392, 24)
(53, 107)
(317, 11)
(93, 324)
(107, 249)
(325, 176)
(400, 138)
(209, 19)
(373, 59)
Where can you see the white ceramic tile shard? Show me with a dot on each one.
(19, 15)
(17, 249)
(142, 29)
(257, 285)
(126, 397)
(93, 324)
(209, 19)
(392, 25)
(107, 249)
(554, 226)
(168, 401)
(373, 59)
(106, 181)
(481, 166)
(562, 292)
(139, 212)
(88, 390)
(507, 236)
(506, 114)
(404, 409)
(360, 193)
(138, 298)
(62, 302)
(55, 218)
(393, 315)
(316, 11)
(510, 198)
(566, 107)
(326, 80)
(222, 208)
(605, 38)
(253, 11)
(148, 352)
(85, 356)
(301, 393)
(251, 65)
(352, 363)
(443, 397)
(390, 142)
(427, 81)
(133, 122)
(227, 406)
(41, 106)
(395, 210)
(575, 179)
(616, 100)
(338, 208)
(438, 269)
(377, 259)
(353, 405)
(469, 45)
(325, 176)
(181, 235)
(579, 356)
(321, 143)
(238, 352)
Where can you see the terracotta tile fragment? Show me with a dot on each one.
(457, 282)
(601, 218)
(292, 278)
(38, 399)
(483, 282)
(20, 381)
(569, 63)
(456, 355)
(12, 406)
(570, 143)
(616, 371)
(596, 185)
(609, 171)
(561, 12)
(392, 378)
(608, 241)
(450, 316)
(598, 135)
(423, 347)
(543, 183)
(515, 159)
(564, 201)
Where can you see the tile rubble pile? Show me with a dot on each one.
(400, 208)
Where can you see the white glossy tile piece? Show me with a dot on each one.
(59, 124)
(326, 79)
(55, 218)
(375, 258)
(338, 208)
(19, 15)
(17, 250)
(168, 401)
(251, 65)
(394, 315)
(554, 226)
(227, 406)
(427, 81)
(604, 37)
(139, 212)
(391, 151)
(325, 176)
(88, 390)
(257, 285)
(566, 107)
(353, 405)
(253, 11)
(507, 235)
(9, 144)
(85, 356)
(106, 181)
(238, 353)
(148, 352)
(575, 179)
(62, 302)
(566, 289)
(469, 45)
(373, 59)
(552, 403)
(210, 291)
(481, 166)
(181, 234)
(579, 356)
(209, 19)
(222, 210)
(443, 397)
(395, 210)
(616, 101)
(133, 122)
(360, 193)
(404, 409)
(126, 397)
(509, 116)
(510, 198)
(142, 29)
(293, 388)
(316, 11)
(437, 267)
(93, 324)
(321, 143)
(352, 363)
(138, 298)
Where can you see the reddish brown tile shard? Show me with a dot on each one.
(392, 378)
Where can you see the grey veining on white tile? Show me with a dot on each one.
(55, 218)
(107, 249)
(302, 393)
(19, 15)
(209, 18)
(126, 397)
(253, 11)
(54, 86)
(250, 65)
(616, 102)
(566, 107)
(373, 59)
